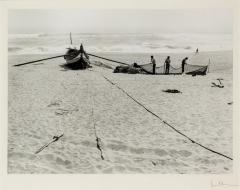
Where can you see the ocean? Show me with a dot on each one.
(19, 44)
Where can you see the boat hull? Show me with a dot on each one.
(75, 61)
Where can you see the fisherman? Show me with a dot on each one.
(154, 64)
(167, 65)
(84, 61)
(184, 62)
(196, 51)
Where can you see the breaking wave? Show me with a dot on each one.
(95, 49)
(14, 49)
(117, 43)
(178, 47)
(26, 36)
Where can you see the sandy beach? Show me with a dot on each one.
(44, 100)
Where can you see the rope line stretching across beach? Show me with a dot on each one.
(166, 123)
(108, 59)
(98, 140)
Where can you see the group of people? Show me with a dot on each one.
(167, 64)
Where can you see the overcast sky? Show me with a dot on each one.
(120, 21)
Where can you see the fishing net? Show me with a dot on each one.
(188, 69)
(195, 69)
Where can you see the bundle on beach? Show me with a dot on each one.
(127, 69)
(172, 91)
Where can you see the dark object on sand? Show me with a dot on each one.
(217, 85)
(220, 85)
(154, 163)
(230, 103)
(54, 139)
(172, 91)
(76, 59)
(126, 69)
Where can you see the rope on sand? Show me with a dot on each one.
(166, 123)
(98, 140)
(55, 138)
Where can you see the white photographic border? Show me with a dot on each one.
(116, 181)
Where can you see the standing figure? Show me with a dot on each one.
(184, 62)
(167, 65)
(196, 51)
(154, 64)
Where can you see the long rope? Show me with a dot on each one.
(98, 140)
(17, 65)
(26, 63)
(108, 59)
(166, 123)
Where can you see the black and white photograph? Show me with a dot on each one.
(121, 91)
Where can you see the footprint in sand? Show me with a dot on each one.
(184, 153)
(63, 162)
(61, 111)
(139, 150)
(117, 147)
(161, 152)
(88, 143)
(55, 103)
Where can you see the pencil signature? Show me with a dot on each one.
(221, 184)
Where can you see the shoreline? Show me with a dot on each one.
(204, 52)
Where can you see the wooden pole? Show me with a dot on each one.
(55, 138)
(38, 60)
(209, 65)
(81, 50)
(107, 59)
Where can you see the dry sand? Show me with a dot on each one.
(47, 100)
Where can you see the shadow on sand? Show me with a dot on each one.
(67, 67)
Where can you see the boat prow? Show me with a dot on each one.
(75, 59)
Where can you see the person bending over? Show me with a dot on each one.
(184, 62)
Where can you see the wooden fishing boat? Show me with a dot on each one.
(76, 59)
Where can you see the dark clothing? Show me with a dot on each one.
(154, 65)
(167, 66)
(154, 68)
(183, 64)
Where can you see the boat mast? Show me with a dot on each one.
(71, 38)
